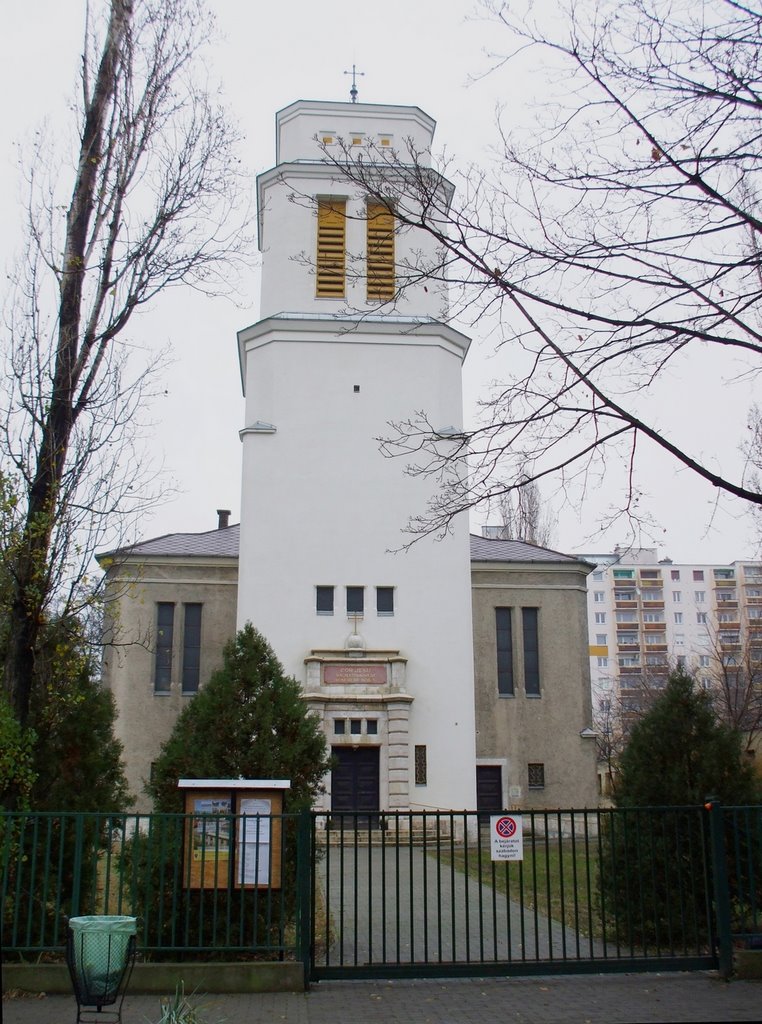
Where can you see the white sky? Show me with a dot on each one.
(412, 51)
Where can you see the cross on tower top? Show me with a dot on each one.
(354, 73)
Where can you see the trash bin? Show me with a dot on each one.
(100, 953)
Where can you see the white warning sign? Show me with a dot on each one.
(507, 837)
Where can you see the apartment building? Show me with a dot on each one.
(648, 615)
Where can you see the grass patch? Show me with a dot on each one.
(557, 878)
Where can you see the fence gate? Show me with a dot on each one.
(420, 895)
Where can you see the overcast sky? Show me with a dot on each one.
(422, 52)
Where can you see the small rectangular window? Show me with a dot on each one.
(678, 618)
(536, 776)
(330, 271)
(420, 766)
(698, 574)
(324, 600)
(600, 618)
(380, 251)
(504, 644)
(677, 596)
(529, 622)
(371, 727)
(598, 596)
(191, 647)
(339, 726)
(355, 600)
(700, 596)
(355, 726)
(165, 626)
(385, 600)
(675, 574)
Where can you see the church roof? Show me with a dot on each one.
(486, 549)
(210, 544)
(224, 544)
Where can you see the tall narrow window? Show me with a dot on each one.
(504, 637)
(421, 771)
(165, 626)
(355, 600)
(191, 647)
(531, 652)
(331, 248)
(380, 246)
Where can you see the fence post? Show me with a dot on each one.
(304, 870)
(76, 881)
(720, 887)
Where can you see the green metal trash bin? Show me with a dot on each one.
(100, 953)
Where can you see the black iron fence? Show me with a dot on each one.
(415, 894)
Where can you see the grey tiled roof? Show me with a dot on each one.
(212, 543)
(224, 544)
(484, 549)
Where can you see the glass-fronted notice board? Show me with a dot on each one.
(233, 833)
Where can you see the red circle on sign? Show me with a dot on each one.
(505, 827)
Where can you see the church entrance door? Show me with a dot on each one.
(355, 783)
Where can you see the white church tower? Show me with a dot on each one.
(380, 639)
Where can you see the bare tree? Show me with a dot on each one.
(734, 679)
(148, 204)
(613, 246)
(524, 516)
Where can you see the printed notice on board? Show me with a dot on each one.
(254, 842)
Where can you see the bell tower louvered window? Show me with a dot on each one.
(331, 248)
(380, 247)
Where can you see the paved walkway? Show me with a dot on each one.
(578, 999)
(386, 904)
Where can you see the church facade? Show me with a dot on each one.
(380, 638)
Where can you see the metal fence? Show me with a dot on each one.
(195, 882)
(398, 894)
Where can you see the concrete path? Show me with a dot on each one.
(577, 999)
(385, 905)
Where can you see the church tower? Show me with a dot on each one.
(379, 638)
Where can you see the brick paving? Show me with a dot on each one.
(581, 999)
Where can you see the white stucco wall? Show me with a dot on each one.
(322, 506)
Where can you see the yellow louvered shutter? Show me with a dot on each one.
(380, 244)
(331, 248)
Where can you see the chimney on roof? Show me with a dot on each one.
(223, 518)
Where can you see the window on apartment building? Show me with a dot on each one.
(385, 600)
(699, 596)
(678, 618)
(599, 596)
(191, 647)
(704, 660)
(504, 645)
(536, 775)
(600, 618)
(677, 596)
(324, 600)
(627, 617)
(380, 251)
(339, 726)
(603, 662)
(601, 639)
(165, 627)
(419, 760)
(624, 574)
(681, 661)
(698, 575)
(531, 639)
(597, 576)
(653, 616)
(330, 268)
(701, 618)
(674, 574)
(355, 600)
(679, 640)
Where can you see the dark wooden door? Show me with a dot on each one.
(355, 782)
(489, 790)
